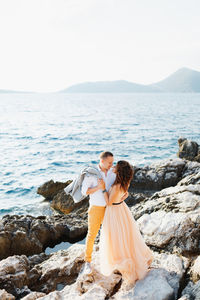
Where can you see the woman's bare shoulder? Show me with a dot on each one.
(116, 188)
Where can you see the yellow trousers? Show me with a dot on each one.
(95, 219)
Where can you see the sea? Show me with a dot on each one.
(46, 136)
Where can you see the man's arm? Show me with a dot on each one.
(87, 182)
(100, 186)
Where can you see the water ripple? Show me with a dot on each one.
(54, 136)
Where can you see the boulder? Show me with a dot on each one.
(59, 276)
(69, 263)
(185, 297)
(191, 168)
(34, 296)
(6, 296)
(14, 274)
(30, 235)
(162, 281)
(170, 219)
(184, 197)
(22, 275)
(60, 269)
(174, 232)
(187, 149)
(60, 201)
(135, 198)
(197, 158)
(192, 291)
(50, 188)
(65, 203)
(195, 270)
(158, 175)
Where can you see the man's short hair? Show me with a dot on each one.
(105, 154)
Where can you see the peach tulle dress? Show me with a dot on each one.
(122, 246)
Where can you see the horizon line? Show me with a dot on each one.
(4, 91)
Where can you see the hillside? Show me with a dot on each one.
(182, 81)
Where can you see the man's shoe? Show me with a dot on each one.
(87, 269)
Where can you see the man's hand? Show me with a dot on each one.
(101, 184)
(125, 196)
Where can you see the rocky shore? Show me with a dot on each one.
(164, 198)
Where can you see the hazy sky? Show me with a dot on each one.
(49, 45)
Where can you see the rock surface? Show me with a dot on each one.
(188, 149)
(146, 181)
(30, 235)
(158, 175)
(164, 199)
(170, 219)
(14, 274)
(34, 296)
(65, 203)
(60, 276)
(195, 270)
(192, 291)
(161, 283)
(21, 275)
(50, 188)
(6, 296)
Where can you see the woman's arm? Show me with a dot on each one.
(126, 194)
(113, 196)
(103, 188)
(106, 197)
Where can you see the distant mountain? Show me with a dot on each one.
(118, 86)
(11, 92)
(182, 81)
(7, 91)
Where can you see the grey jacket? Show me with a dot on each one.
(74, 188)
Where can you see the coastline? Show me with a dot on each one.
(164, 198)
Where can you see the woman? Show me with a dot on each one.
(121, 244)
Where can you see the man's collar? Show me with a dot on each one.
(111, 169)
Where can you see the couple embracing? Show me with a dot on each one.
(122, 246)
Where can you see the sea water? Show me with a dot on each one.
(55, 135)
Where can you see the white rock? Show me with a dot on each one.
(172, 231)
(34, 296)
(195, 269)
(161, 283)
(172, 162)
(153, 287)
(66, 262)
(179, 189)
(159, 227)
(6, 296)
(185, 297)
(192, 290)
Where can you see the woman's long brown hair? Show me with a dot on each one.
(124, 174)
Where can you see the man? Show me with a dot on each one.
(94, 187)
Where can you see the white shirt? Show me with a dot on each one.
(97, 198)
